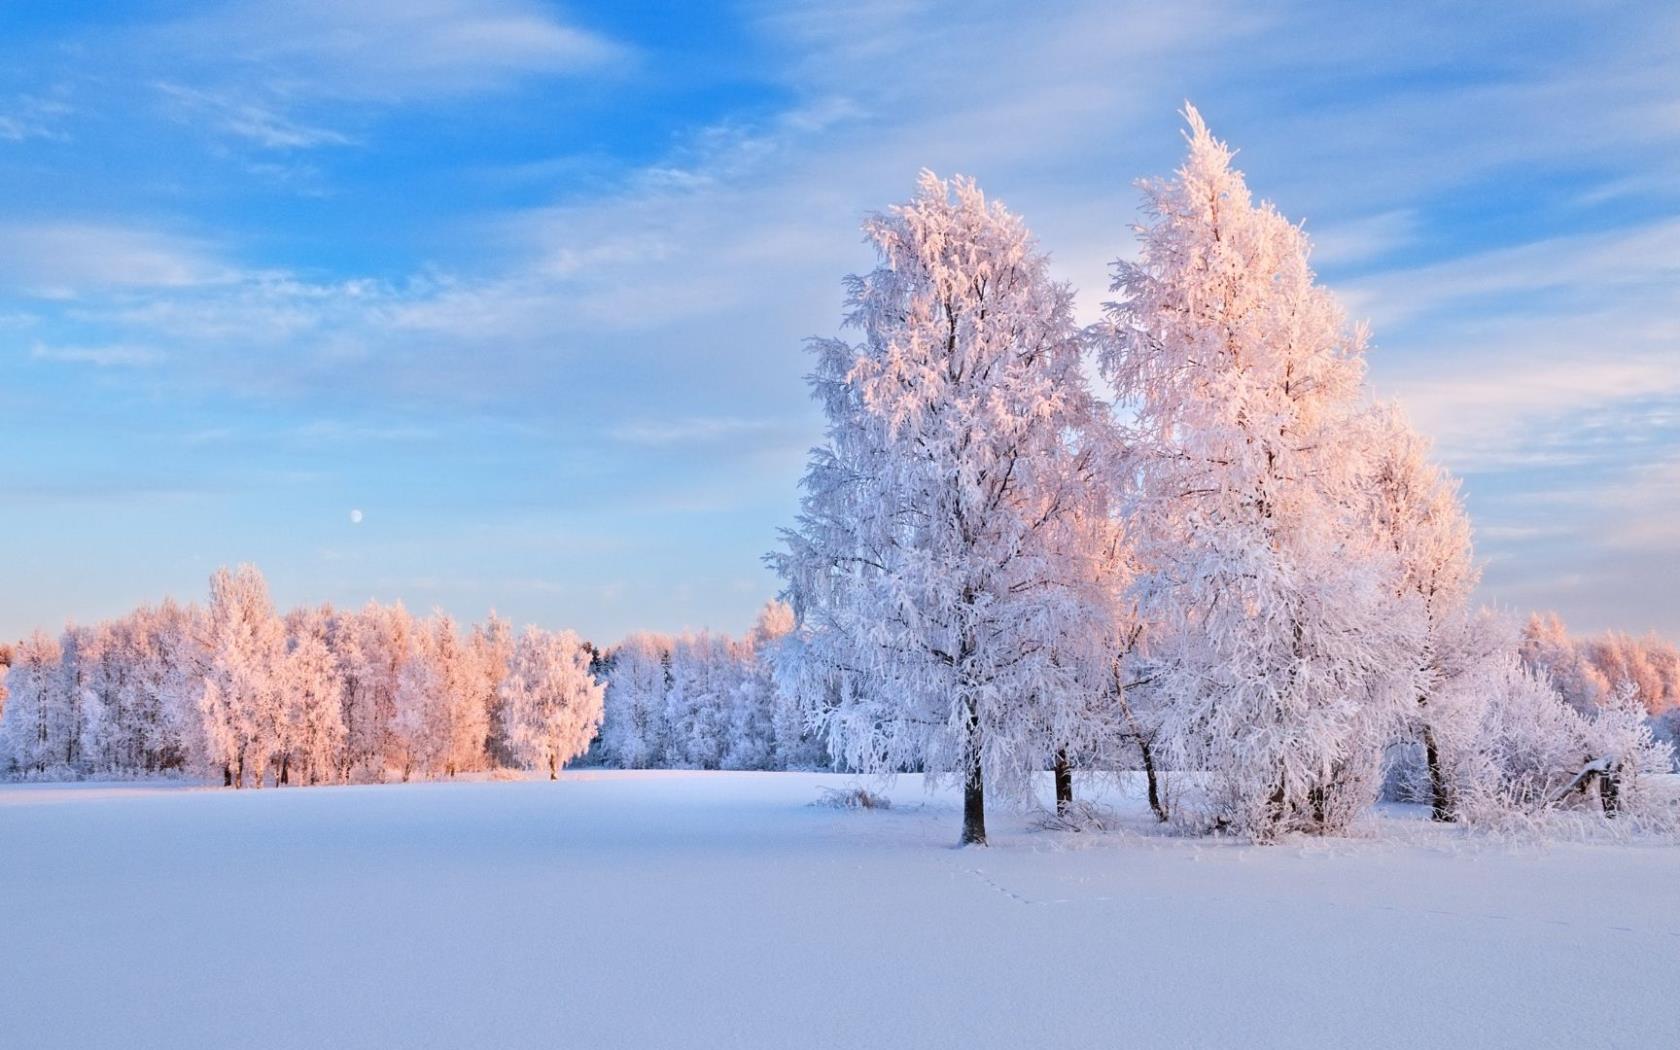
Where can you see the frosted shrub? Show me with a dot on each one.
(855, 797)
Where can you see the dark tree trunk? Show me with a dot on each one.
(1064, 781)
(974, 808)
(1319, 803)
(974, 787)
(227, 775)
(1152, 780)
(285, 777)
(1610, 791)
(1440, 806)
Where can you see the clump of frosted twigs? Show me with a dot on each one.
(1649, 808)
(1078, 815)
(856, 797)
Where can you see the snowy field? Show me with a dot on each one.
(725, 910)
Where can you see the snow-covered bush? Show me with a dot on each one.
(852, 798)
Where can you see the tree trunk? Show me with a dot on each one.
(974, 807)
(553, 768)
(1150, 778)
(1440, 807)
(227, 775)
(1064, 781)
(1610, 791)
(974, 787)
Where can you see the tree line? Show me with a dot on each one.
(243, 694)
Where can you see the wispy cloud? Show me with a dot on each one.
(247, 120)
(390, 50)
(338, 431)
(34, 117)
(112, 356)
(692, 429)
(1583, 267)
(1365, 238)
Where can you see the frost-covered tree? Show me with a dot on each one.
(420, 723)
(1529, 744)
(312, 699)
(105, 658)
(1621, 739)
(634, 732)
(241, 704)
(140, 688)
(68, 699)
(1536, 751)
(804, 690)
(553, 700)
(172, 671)
(924, 568)
(706, 678)
(752, 723)
(442, 718)
(492, 645)
(29, 726)
(1274, 648)
(1549, 650)
(1419, 518)
(372, 649)
(466, 701)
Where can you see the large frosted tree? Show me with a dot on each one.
(1274, 651)
(925, 567)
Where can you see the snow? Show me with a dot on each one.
(627, 908)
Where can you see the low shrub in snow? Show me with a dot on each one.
(851, 798)
(1078, 815)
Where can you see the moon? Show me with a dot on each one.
(355, 517)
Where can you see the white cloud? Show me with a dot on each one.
(390, 50)
(67, 259)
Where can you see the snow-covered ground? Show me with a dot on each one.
(724, 910)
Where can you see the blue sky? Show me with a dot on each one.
(527, 283)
